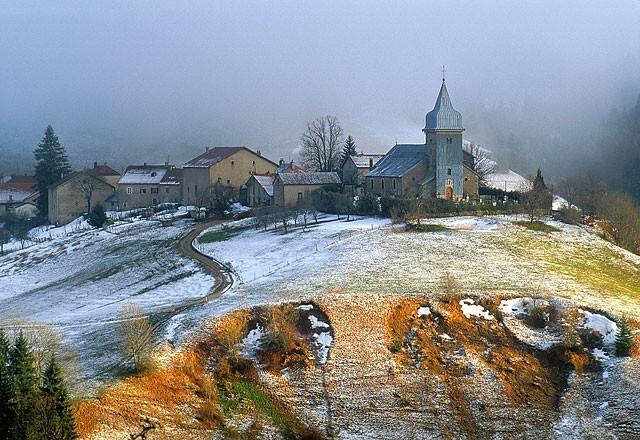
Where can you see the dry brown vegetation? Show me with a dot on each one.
(195, 392)
(527, 375)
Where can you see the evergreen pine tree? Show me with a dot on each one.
(349, 149)
(97, 216)
(624, 338)
(57, 417)
(52, 165)
(24, 380)
(6, 391)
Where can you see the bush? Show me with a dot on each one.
(624, 339)
(367, 205)
(569, 216)
(97, 217)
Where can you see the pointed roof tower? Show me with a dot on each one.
(443, 116)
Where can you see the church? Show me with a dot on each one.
(438, 168)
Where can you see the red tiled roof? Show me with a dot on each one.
(103, 170)
(21, 183)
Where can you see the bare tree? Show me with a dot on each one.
(483, 165)
(322, 144)
(569, 188)
(536, 197)
(624, 216)
(136, 331)
(86, 186)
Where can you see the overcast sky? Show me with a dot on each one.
(151, 79)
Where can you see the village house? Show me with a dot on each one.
(291, 189)
(143, 186)
(77, 193)
(18, 195)
(260, 190)
(438, 168)
(354, 170)
(229, 167)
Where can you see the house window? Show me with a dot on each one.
(382, 183)
(253, 162)
(154, 174)
(129, 190)
(299, 197)
(448, 171)
(154, 190)
(155, 201)
(232, 163)
(195, 188)
(371, 183)
(228, 182)
(394, 183)
(167, 190)
(143, 190)
(466, 179)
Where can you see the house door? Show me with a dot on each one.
(448, 193)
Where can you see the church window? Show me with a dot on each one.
(232, 162)
(195, 188)
(448, 171)
(394, 183)
(382, 182)
(466, 179)
(371, 183)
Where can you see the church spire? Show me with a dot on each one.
(443, 116)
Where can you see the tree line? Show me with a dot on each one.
(32, 405)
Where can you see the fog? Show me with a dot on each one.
(126, 82)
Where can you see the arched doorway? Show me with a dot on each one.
(448, 193)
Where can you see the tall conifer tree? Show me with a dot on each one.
(349, 149)
(6, 391)
(52, 165)
(24, 379)
(57, 416)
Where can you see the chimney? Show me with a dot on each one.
(144, 164)
(258, 153)
(206, 149)
(281, 162)
(370, 163)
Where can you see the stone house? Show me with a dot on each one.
(260, 190)
(291, 189)
(354, 170)
(229, 167)
(438, 168)
(80, 191)
(142, 186)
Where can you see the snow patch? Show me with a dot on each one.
(601, 324)
(600, 354)
(252, 342)
(323, 342)
(424, 311)
(316, 323)
(470, 309)
(445, 337)
(305, 307)
(521, 306)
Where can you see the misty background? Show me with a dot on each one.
(541, 84)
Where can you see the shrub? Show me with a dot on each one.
(97, 217)
(624, 338)
(367, 205)
(136, 332)
(568, 215)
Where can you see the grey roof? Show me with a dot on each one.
(266, 182)
(443, 116)
(400, 159)
(362, 160)
(317, 178)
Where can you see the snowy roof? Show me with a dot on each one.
(317, 178)
(21, 183)
(400, 159)
(266, 182)
(506, 180)
(443, 116)
(363, 160)
(13, 195)
(289, 167)
(150, 175)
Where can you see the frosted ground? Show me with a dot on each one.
(79, 282)
(486, 255)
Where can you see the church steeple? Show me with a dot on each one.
(443, 116)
